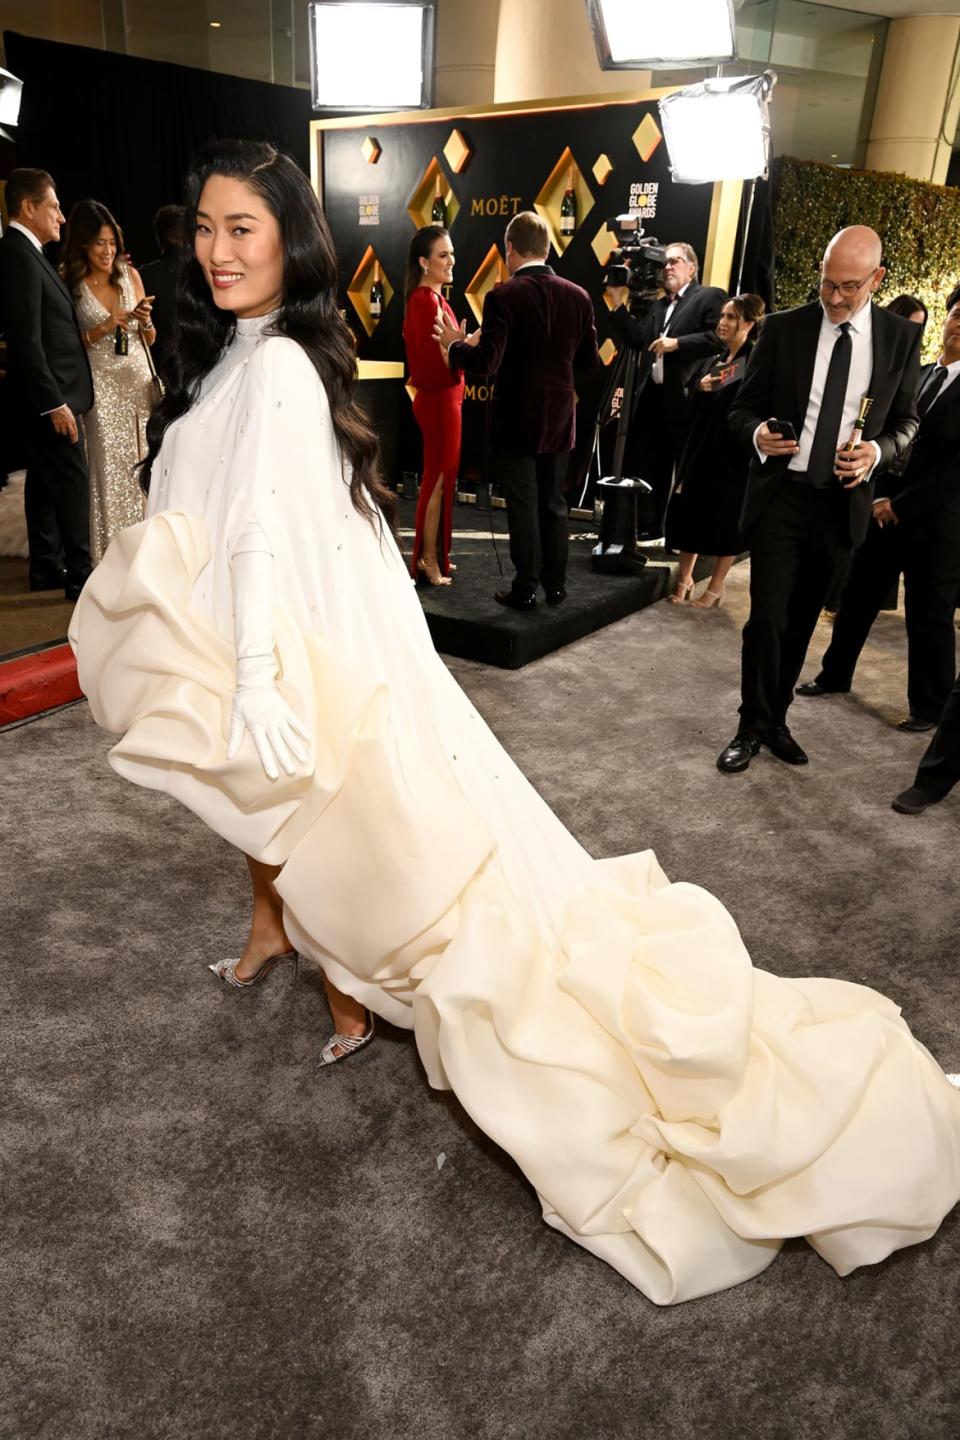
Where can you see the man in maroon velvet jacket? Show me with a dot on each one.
(536, 330)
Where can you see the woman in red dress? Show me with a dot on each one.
(438, 401)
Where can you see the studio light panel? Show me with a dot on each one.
(371, 56)
(657, 34)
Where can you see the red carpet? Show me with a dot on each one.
(36, 682)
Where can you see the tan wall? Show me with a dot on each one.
(466, 51)
(909, 119)
(545, 50)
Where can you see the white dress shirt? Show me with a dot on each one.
(858, 382)
(656, 373)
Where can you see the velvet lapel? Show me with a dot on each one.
(805, 355)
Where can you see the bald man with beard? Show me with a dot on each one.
(808, 500)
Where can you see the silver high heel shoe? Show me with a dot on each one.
(226, 970)
(347, 1044)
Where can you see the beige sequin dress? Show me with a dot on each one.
(116, 426)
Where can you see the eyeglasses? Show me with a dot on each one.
(846, 287)
(675, 260)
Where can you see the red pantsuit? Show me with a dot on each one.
(437, 409)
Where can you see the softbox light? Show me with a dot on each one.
(719, 129)
(11, 90)
(662, 34)
(371, 54)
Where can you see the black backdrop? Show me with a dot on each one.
(123, 130)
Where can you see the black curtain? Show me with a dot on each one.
(757, 245)
(122, 130)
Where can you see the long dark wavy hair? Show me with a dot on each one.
(421, 248)
(908, 306)
(308, 311)
(87, 219)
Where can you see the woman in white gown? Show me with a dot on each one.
(258, 645)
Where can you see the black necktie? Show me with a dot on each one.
(826, 437)
(932, 391)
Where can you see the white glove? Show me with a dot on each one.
(258, 706)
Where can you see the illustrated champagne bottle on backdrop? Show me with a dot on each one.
(121, 344)
(568, 208)
(376, 293)
(438, 214)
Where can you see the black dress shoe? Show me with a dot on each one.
(914, 801)
(738, 754)
(781, 743)
(52, 580)
(556, 597)
(916, 725)
(813, 687)
(515, 601)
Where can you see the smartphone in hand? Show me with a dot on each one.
(783, 428)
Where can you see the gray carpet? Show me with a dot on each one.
(202, 1237)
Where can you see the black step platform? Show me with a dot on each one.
(466, 621)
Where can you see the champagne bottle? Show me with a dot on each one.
(376, 293)
(568, 209)
(438, 214)
(121, 344)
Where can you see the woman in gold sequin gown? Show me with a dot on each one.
(108, 295)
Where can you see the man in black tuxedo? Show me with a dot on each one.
(808, 501)
(675, 331)
(917, 532)
(160, 280)
(536, 330)
(939, 769)
(49, 375)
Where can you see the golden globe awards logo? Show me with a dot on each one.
(643, 199)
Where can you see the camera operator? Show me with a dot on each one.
(669, 333)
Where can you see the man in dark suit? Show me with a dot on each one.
(808, 500)
(939, 769)
(674, 331)
(160, 280)
(917, 532)
(535, 332)
(49, 375)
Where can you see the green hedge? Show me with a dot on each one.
(918, 223)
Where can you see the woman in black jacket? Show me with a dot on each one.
(704, 513)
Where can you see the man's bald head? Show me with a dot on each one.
(856, 244)
(851, 271)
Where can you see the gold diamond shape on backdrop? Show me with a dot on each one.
(608, 351)
(371, 150)
(547, 204)
(647, 137)
(420, 202)
(602, 169)
(457, 152)
(491, 271)
(358, 291)
(602, 243)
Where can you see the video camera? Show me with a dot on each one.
(637, 262)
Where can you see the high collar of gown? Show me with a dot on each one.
(251, 329)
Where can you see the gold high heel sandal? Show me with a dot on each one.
(425, 574)
(681, 591)
(226, 970)
(709, 600)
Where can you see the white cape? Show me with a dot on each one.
(678, 1112)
